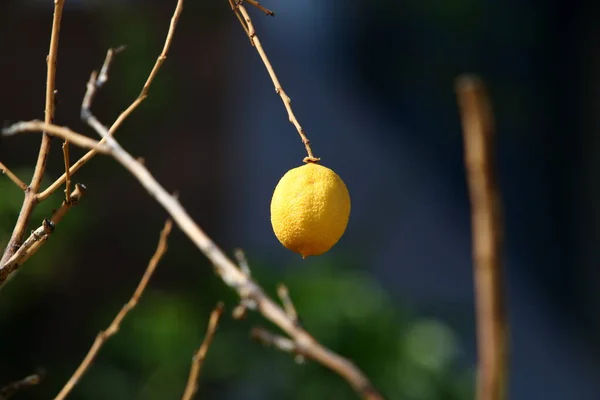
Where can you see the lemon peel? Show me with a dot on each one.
(310, 209)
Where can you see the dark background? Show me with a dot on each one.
(372, 84)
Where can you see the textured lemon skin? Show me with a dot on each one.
(310, 209)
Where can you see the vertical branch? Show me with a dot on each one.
(487, 231)
(30, 196)
(114, 326)
(198, 359)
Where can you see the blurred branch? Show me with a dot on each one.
(249, 291)
(114, 326)
(39, 236)
(30, 200)
(125, 114)
(198, 359)
(6, 392)
(4, 169)
(487, 231)
(240, 11)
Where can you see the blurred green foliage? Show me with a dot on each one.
(344, 307)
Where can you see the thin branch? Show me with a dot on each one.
(125, 114)
(260, 7)
(4, 169)
(198, 359)
(114, 326)
(287, 102)
(39, 236)
(67, 158)
(59, 131)
(288, 305)
(270, 339)
(6, 392)
(492, 323)
(30, 202)
(248, 290)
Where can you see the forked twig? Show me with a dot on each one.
(125, 114)
(38, 237)
(198, 359)
(114, 326)
(244, 17)
(4, 169)
(251, 294)
(30, 200)
(492, 323)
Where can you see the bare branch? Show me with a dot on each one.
(238, 7)
(251, 294)
(260, 7)
(39, 236)
(114, 326)
(6, 392)
(288, 305)
(4, 169)
(125, 114)
(192, 384)
(492, 323)
(67, 159)
(30, 202)
(59, 131)
(270, 339)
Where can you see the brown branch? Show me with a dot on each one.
(39, 236)
(30, 201)
(59, 131)
(249, 291)
(125, 114)
(260, 7)
(6, 392)
(114, 326)
(238, 7)
(492, 324)
(67, 158)
(198, 359)
(4, 169)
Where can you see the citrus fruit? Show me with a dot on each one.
(310, 209)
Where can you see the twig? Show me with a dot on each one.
(67, 158)
(288, 305)
(9, 390)
(59, 131)
(39, 236)
(4, 169)
(114, 326)
(492, 324)
(260, 7)
(247, 289)
(30, 200)
(125, 114)
(270, 339)
(198, 359)
(238, 7)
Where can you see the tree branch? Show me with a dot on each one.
(198, 359)
(492, 323)
(114, 326)
(6, 392)
(125, 114)
(4, 169)
(39, 236)
(244, 17)
(30, 201)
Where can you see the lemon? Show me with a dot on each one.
(310, 209)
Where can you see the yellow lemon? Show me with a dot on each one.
(310, 209)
